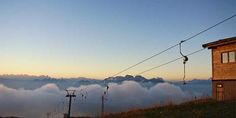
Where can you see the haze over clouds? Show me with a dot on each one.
(121, 97)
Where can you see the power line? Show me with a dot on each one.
(169, 62)
(132, 66)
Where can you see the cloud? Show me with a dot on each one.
(28, 103)
(121, 97)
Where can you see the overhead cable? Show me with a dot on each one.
(169, 62)
(132, 66)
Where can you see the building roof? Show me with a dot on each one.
(220, 42)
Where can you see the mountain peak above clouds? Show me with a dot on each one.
(137, 78)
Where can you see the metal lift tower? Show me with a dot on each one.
(70, 94)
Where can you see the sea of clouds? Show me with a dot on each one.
(50, 100)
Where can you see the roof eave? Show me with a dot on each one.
(219, 43)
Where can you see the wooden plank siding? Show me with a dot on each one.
(223, 71)
(223, 74)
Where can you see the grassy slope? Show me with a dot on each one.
(196, 109)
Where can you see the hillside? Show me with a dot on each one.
(197, 109)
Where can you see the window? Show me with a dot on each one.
(232, 56)
(228, 57)
(224, 57)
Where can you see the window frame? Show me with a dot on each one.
(222, 57)
(234, 56)
(228, 57)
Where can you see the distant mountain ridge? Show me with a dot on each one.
(24, 76)
(32, 82)
(137, 78)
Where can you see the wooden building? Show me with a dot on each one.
(223, 68)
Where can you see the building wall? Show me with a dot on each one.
(228, 90)
(226, 71)
(223, 74)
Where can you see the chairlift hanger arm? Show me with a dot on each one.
(185, 59)
(180, 51)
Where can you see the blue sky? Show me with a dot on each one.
(98, 38)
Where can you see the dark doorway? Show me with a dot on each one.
(219, 92)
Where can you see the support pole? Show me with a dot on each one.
(70, 94)
(69, 107)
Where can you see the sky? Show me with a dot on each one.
(98, 38)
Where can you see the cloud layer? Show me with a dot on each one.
(50, 100)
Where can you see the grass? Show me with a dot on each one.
(205, 108)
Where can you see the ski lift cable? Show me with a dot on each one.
(169, 62)
(183, 41)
